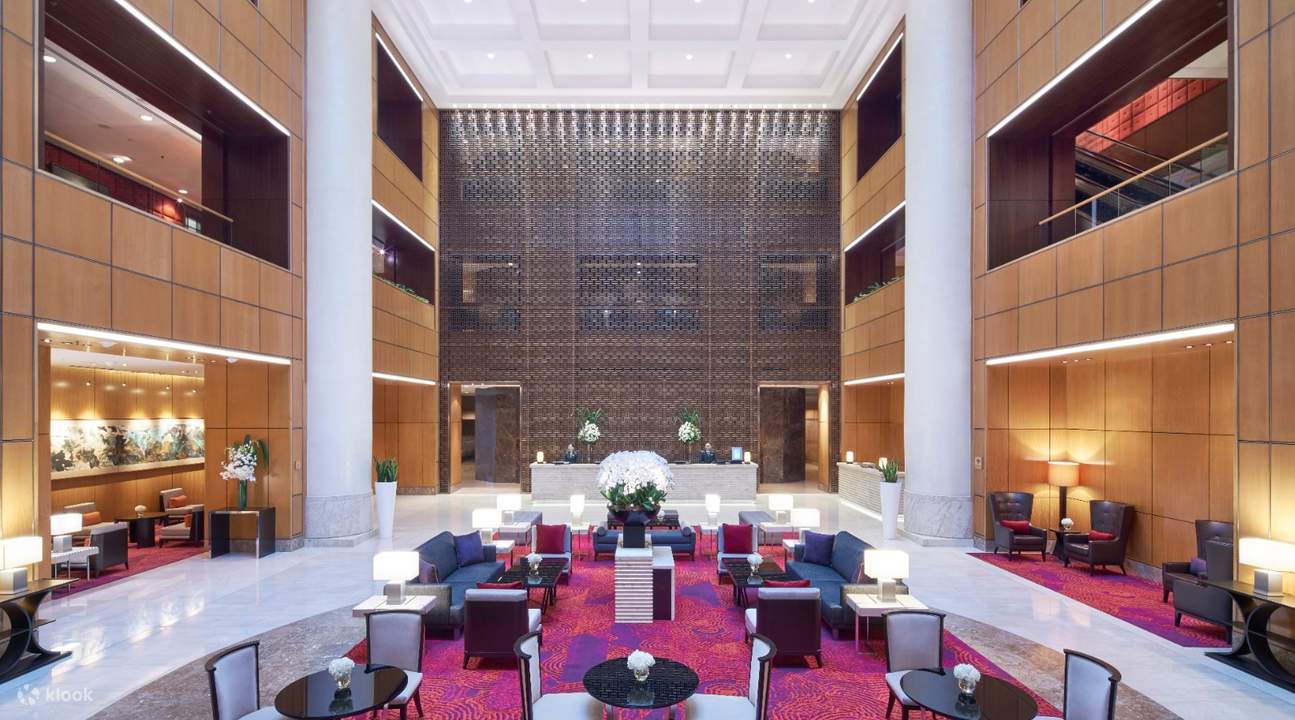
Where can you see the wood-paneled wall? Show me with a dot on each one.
(74, 256)
(872, 422)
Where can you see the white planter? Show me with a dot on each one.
(890, 497)
(386, 492)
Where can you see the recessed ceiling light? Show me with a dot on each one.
(146, 117)
(183, 191)
(688, 56)
(49, 58)
(589, 56)
(490, 55)
(121, 159)
(786, 56)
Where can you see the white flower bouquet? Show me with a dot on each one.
(634, 479)
(967, 676)
(534, 560)
(689, 433)
(340, 670)
(240, 463)
(589, 433)
(755, 560)
(640, 663)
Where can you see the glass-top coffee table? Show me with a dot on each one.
(546, 579)
(740, 572)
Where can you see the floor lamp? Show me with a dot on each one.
(1062, 474)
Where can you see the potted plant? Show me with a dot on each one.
(241, 463)
(890, 497)
(588, 430)
(385, 488)
(634, 483)
(689, 420)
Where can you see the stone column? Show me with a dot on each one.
(339, 290)
(938, 129)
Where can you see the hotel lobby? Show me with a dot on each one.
(697, 359)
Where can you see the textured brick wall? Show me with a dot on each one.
(639, 261)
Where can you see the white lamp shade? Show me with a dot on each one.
(64, 523)
(780, 502)
(885, 564)
(395, 566)
(577, 505)
(20, 551)
(712, 504)
(849, 456)
(1063, 473)
(486, 518)
(1267, 554)
(509, 502)
(804, 517)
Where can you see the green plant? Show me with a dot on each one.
(688, 415)
(589, 416)
(890, 471)
(404, 289)
(260, 448)
(387, 469)
(875, 287)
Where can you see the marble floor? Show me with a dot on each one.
(131, 633)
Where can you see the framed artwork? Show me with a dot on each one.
(80, 448)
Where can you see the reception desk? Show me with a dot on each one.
(733, 483)
(861, 485)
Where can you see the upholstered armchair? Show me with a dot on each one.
(562, 549)
(111, 538)
(1207, 531)
(790, 618)
(234, 677)
(1110, 518)
(493, 620)
(1014, 508)
(1213, 561)
(721, 554)
(755, 706)
(184, 520)
(914, 641)
(1090, 688)
(539, 705)
(396, 639)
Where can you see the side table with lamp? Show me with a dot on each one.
(395, 568)
(486, 521)
(20, 601)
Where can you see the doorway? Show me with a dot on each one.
(794, 436)
(488, 430)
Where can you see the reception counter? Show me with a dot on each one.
(733, 483)
(861, 485)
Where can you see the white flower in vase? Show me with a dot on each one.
(689, 433)
(755, 560)
(640, 663)
(340, 670)
(967, 676)
(589, 433)
(534, 560)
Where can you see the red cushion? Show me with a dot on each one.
(737, 539)
(176, 501)
(1099, 536)
(1018, 527)
(90, 518)
(500, 586)
(550, 539)
(786, 583)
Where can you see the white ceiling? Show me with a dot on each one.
(59, 357)
(655, 53)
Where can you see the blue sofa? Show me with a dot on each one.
(844, 574)
(452, 581)
(681, 541)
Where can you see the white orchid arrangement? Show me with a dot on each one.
(755, 560)
(534, 560)
(240, 463)
(340, 668)
(966, 673)
(639, 661)
(689, 425)
(634, 479)
(589, 433)
(589, 425)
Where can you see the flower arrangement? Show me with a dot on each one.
(534, 560)
(1067, 523)
(589, 433)
(241, 462)
(140, 509)
(755, 560)
(640, 663)
(634, 479)
(967, 677)
(588, 428)
(340, 670)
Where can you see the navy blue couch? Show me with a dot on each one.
(451, 581)
(681, 541)
(844, 574)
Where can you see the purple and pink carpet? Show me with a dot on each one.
(141, 560)
(1134, 600)
(706, 635)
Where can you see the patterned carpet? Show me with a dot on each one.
(141, 560)
(1134, 600)
(706, 635)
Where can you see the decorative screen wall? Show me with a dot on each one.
(639, 261)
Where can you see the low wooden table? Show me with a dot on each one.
(1059, 543)
(739, 570)
(870, 605)
(1252, 648)
(143, 527)
(421, 604)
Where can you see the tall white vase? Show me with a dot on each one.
(386, 492)
(890, 496)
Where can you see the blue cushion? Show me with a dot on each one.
(812, 572)
(1196, 567)
(847, 555)
(818, 548)
(439, 551)
(467, 549)
(476, 572)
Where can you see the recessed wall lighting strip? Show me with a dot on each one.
(162, 33)
(1128, 23)
(1137, 340)
(402, 378)
(400, 67)
(874, 379)
(161, 343)
(880, 65)
(876, 225)
(403, 226)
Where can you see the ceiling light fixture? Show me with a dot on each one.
(874, 379)
(188, 54)
(786, 56)
(183, 191)
(490, 55)
(1136, 16)
(402, 378)
(401, 68)
(49, 58)
(158, 342)
(880, 65)
(876, 225)
(1128, 342)
(589, 56)
(121, 159)
(402, 225)
(688, 56)
(146, 117)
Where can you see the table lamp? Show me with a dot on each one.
(1269, 558)
(16, 553)
(886, 566)
(507, 504)
(746, 457)
(803, 519)
(61, 527)
(486, 520)
(1063, 474)
(849, 457)
(577, 507)
(780, 503)
(539, 457)
(395, 568)
(712, 508)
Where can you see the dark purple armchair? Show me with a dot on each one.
(1015, 506)
(493, 620)
(1214, 561)
(1109, 517)
(790, 618)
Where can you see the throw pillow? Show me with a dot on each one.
(468, 549)
(550, 539)
(516, 585)
(786, 583)
(1099, 536)
(90, 518)
(1196, 566)
(426, 572)
(737, 539)
(176, 501)
(1018, 527)
(818, 548)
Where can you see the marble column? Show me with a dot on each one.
(339, 291)
(938, 119)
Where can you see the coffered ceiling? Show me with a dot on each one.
(630, 53)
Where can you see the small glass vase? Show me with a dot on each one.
(242, 505)
(343, 682)
(755, 571)
(641, 674)
(589, 453)
(966, 688)
(535, 569)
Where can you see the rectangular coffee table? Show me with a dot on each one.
(740, 572)
(869, 605)
(546, 580)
